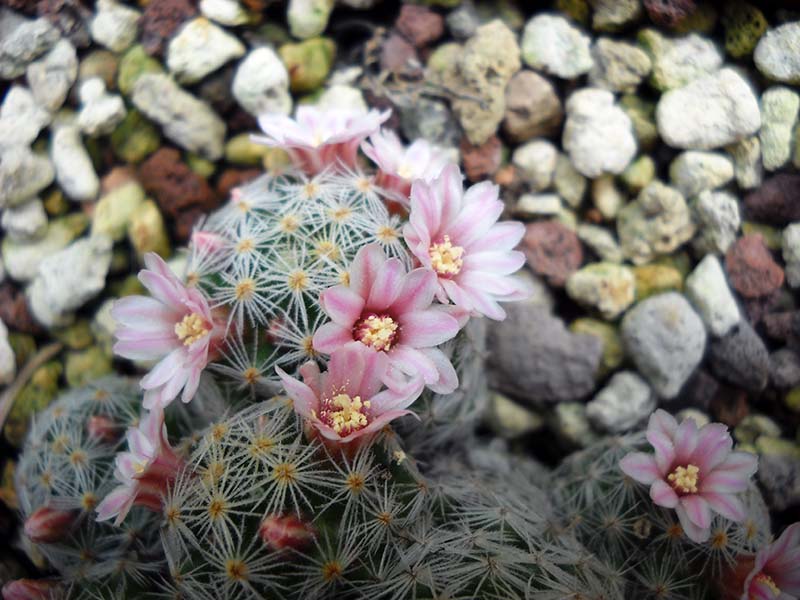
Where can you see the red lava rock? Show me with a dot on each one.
(419, 24)
(533, 108)
(231, 178)
(781, 325)
(776, 201)
(700, 390)
(751, 268)
(71, 17)
(14, 310)
(481, 162)
(398, 56)
(160, 20)
(553, 251)
(174, 185)
(757, 309)
(669, 13)
(25, 6)
(184, 223)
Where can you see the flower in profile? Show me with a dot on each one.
(693, 471)
(346, 402)
(32, 589)
(175, 325)
(47, 525)
(399, 167)
(456, 234)
(144, 472)
(285, 531)
(776, 573)
(317, 139)
(389, 311)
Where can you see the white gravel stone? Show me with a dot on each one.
(538, 205)
(552, 44)
(224, 12)
(308, 18)
(717, 217)
(74, 169)
(791, 254)
(261, 84)
(23, 174)
(101, 112)
(21, 41)
(779, 107)
(746, 156)
(190, 123)
(69, 278)
(777, 54)
(598, 135)
(51, 77)
(114, 25)
(22, 259)
(679, 60)
(536, 163)
(342, 97)
(695, 171)
(8, 363)
(26, 221)
(707, 289)
(200, 48)
(624, 403)
(712, 111)
(21, 118)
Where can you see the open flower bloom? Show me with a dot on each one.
(317, 139)
(390, 312)
(776, 573)
(144, 472)
(693, 471)
(346, 402)
(456, 234)
(175, 325)
(400, 166)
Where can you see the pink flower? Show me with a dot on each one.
(400, 166)
(776, 573)
(317, 139)
(346, 402)
(175, 325)
(144, 471)
(456, 234)
(49, 525)
(693, 471)
(390, 311)
(285, 531)
(32, 589)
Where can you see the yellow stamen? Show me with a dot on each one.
(344, 414)
(769, 582)
(446, 258)
(192, 328)
(684, 479)
(377, 332)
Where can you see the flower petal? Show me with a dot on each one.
(426, 328)
(305, 402)
(685, 440)
(663, 494)
(342, 304)
(697, 534)
(331, 336)
(386, 286)
(665, 450)
(447, 382)
(364, 268)
(664, 422)
(641, 467)
(697, 509)
(165, 369)
(739, 464)
(714, 443)
(727, 505)
(417, 291)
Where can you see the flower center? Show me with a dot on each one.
(769, 582)
(344, 414)
(684, 479)
(192, 328)
(446, 258)
(378, 332)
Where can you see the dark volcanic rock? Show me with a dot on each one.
(741, 358)
(160, 20)
(777, 201)
(14, 310)
(553, 251)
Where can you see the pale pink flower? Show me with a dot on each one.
(317, 139)
(456, 234)
(390, 311)
(693, 471)
(144, 472)
(399, 167)
(175, 325)
(776, 573)
(346, 402)
(32, 589)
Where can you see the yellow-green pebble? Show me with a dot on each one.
(146, 231)
(654, 279)
(308, 62)
(613, 350)
(744, 25)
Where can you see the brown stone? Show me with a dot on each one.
(160, 20)
(419, 24)
(184, 223)
(175, 187)
(669, 13)
(782, 325)
(231, 178)
(553, 251)
(776, 201)
(729, 406)
(71, 17)
(751, 268)
(481, 162)
(398, 55)
(533, 108)
(14, 310)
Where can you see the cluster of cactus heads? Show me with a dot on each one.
(327, 346)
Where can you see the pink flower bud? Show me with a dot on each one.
(207, 242)
(279, 532)
(47, 525)
(31, 589)
(103, 428)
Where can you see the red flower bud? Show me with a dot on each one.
(279, 532)
(31, 589)
(103, 428)
(47, 525)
